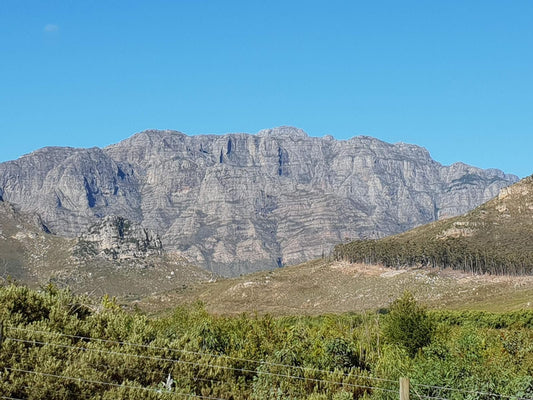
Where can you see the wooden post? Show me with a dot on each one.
(1, 333)
(404, 388)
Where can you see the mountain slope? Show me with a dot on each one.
(238, 203)
(496, 238)
(113, 257)
(322, 286)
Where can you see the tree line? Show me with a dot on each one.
(452, 252)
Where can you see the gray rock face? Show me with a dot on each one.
(116, 238)
(239, 202)
(70, 188)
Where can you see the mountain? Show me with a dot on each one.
(494, 238)
(237, 203)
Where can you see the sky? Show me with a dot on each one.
(455, 77)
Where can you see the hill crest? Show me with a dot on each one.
(493, 238)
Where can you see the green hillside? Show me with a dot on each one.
(495, 238)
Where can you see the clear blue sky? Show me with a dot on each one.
(453, 76)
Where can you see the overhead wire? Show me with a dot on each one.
(202, 354)
(171, 360)
(425, 396)
(119, 385)
(471, 391)
(260, 362)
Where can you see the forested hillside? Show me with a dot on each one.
(57, 346)
(494, 238)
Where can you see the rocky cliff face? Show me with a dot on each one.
(239, 202)
(116, 238)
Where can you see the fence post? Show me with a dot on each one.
(404, 388)
(1, 333)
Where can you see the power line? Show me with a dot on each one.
(85, 338)
(470, 391)
(200, 354)
(82, 380)
(122, 367)
(427, 397)
(171, 360)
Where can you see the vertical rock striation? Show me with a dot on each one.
(239, 202)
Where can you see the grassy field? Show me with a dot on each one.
(323, 286)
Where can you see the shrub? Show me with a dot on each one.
(408, 324)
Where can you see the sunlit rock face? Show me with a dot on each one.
(237, 203)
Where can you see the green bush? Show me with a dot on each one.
(407, 324)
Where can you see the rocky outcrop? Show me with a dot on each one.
(115, 257)
(239, 202)
(116, 238)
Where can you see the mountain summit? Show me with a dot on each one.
(239, 202)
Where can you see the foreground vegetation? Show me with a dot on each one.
(59, 346)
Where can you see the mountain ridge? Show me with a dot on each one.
(237, 203)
